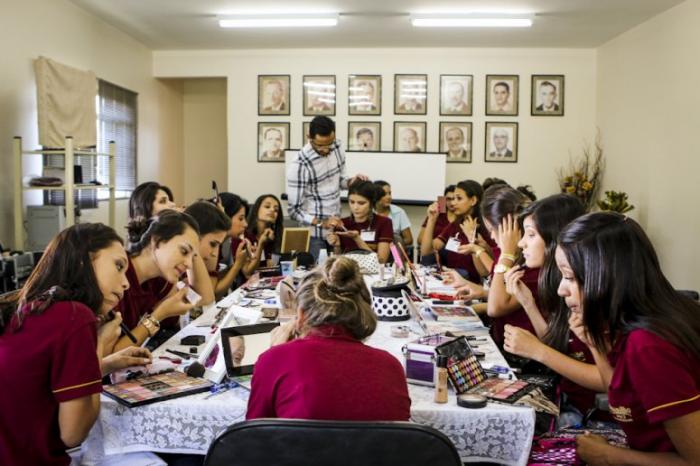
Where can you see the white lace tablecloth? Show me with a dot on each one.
(496, 433)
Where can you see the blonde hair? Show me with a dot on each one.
(335, 293)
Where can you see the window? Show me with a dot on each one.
(117, 121)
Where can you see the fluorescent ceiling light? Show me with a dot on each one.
(320, 85)
(326, 94)
(473, 21)
(280, 21)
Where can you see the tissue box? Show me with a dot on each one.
(420, 359)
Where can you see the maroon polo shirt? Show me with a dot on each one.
(142, 298)
(381, 225)
(456, 260)
(440, 224)
(269, 248)
(582, 398)
(329, 375)
(653, 381)
(517, 318)
(51, 358)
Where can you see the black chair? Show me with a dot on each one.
(293, 442)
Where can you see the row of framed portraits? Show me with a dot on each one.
(411, 95)
(501, 139)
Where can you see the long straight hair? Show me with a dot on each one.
(278, 227)
(550, 215)
(622, 285)
(64, 273)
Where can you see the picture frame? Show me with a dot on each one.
(364, 94)
(273, 94)
(502, 94)
(456, 94)
(410, 136)
(319, 93)
(364, 136)
(273, 140)
(456, 141)
(547, 96)
(410, 94)
(501, 142)
(295, 239)
(305, 132)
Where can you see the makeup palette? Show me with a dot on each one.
(159, 387)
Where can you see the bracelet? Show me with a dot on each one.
(508, 256)
(150, 324)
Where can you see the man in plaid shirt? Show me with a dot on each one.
(314, 180)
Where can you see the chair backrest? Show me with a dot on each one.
(292, 442)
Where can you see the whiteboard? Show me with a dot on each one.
(414, 178)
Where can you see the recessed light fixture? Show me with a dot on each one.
(471, 20)
(278, 21)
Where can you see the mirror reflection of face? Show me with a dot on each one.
(500, 140)
(237, 347)
(455, 139)
(547, 95)
(500, 94)
(409, 139)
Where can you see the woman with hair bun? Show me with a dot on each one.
(326, 372)
(364, 229)
(161, 249)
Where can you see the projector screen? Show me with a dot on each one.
(414, 178)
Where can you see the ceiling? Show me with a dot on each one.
(191, 24)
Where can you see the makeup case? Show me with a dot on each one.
(387, 300)
(421, 357)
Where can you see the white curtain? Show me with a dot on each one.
(66, 104)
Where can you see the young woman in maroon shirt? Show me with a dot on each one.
(214, 226)
(363, 229)
(326, 372)
(552, 344)
(622, 305)
(149, 199)
(265, 227)
(236, 245)
(161, 250)
(56, 344)
(443, 219)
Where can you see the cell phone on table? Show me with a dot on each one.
(442, 204)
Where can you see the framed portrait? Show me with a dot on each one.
(456, 94)
(273, 140)
(409, 136)
(410, 94)
(502, 94)
(364, 136)
(456, 141)
(273, 94)
(305, 132)
(547, 95)
(364, 94)
(319, 95)
(501, 142)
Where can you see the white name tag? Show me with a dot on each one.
(452, 245)
(368, 235)
(262, 255)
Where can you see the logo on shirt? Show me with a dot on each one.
(621, 414)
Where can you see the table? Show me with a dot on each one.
(496, 433)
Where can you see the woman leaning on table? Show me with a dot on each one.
(325, 371)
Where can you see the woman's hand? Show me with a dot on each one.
(241, 256)
(433, 210)
(174, 305)
(452, 277)
(522, 343)
(127, 357)
(467, 249)
(593, 449)
(471, 291)
(469, 227)
(515, 286)
(579, 329)
(333, 239)
(107, 335)
(267, 235)
(284, 333)
(509, 235)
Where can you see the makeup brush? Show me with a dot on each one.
(125, 329)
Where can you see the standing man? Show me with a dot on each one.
(314, 180)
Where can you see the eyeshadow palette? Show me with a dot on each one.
(154, 388)
(506, 391)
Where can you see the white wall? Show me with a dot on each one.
(545, 142)
(648, 102)
(61, 31)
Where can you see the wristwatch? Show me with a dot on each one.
(150, 324)
(500, 268)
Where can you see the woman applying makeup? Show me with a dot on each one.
(214, 226)
(56, 344)
(161, 251)
(363, 229)
(443, 218)
(265, 227)
(234, 251)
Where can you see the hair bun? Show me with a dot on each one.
(340, 273)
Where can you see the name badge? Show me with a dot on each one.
(452, 245)
(368, 235)
(262, 256)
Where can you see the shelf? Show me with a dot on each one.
(63, 152)
(62, 188)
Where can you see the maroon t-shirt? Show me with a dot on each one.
(653, 381)
(381, 226)
(51, 358)
(305, 379)
(268, 250)
(456, 260)
(142, 298)
(440, 224)
(519, 317)
(582, 398)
